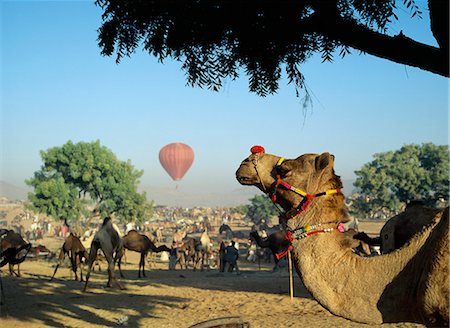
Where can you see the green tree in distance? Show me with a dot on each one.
(216, 39)
(85, 178)
(261, 208)
(393, 178)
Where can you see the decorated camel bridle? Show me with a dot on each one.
(304, 231)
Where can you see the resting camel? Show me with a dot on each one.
(75, 250)
(108, 240)
(140, 243)
(398, 230)
(410, 284)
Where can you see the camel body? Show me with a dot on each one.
(75, 250)
(399, 229)
(140, 243)
(108, 240)
(13, 250)
(410, 284)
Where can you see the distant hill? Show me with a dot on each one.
(173, 197)
(12, 192)
(161, 196)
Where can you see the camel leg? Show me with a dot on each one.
(117, 256)
(111, 263)
(92, 256)
(60, 261)
(81, 268)
(54, 272)
(119, 261)
(141, 265)
(73, 262)
(2, 295)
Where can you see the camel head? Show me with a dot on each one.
(310, 173)
(258, 170)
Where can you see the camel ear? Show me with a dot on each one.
(323, 161)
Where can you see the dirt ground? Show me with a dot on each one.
(162, 299)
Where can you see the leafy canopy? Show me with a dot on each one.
(393, 178)
(216, 39)
(261, 208)
(78, 179)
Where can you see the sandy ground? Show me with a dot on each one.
(162, 299)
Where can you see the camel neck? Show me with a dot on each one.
(363, 289)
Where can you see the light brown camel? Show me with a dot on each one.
(76, 252)
(140, 243)
(204, 249)
(410, 284)
(108, 240)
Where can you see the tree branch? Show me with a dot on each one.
(399, 49)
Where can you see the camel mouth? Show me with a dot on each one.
(245, 180)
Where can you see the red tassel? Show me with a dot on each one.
(257, 149)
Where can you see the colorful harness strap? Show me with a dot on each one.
(307, 198)
(304, 232)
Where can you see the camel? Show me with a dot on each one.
(108, 240)
(204, 249)
(399, 229)
(178, 236)
(75, 250)
(13, 250)
(410, 284)
(276, 242)
(140, 243)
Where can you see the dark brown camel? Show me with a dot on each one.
(75, 250)
(140, 243)
(276, 242)
(13, 250)
(108, 240)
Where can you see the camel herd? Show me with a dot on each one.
(410, 283)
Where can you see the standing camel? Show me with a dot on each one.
(108, 240)
(204, 249)
(140, 243)
(75, 250)
(13, 250)
(410, 284)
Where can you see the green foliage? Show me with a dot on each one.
(241, 209)
(85, 177)
(261, 208)
(393, 178)
(217, 40)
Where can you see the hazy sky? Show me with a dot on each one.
(55, 87)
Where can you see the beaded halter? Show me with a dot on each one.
(306, 230)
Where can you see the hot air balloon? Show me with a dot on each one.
(176, 158)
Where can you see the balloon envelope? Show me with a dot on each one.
(176, 158)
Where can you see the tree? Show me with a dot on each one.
(216, 38)
(85, 178)
(261, 208)
(415, 172)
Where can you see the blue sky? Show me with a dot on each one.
(55, 87)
